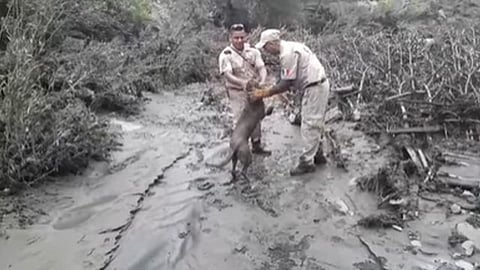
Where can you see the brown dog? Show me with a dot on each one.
(252, 114)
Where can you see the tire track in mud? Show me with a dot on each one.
(123, 228)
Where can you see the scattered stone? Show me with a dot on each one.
(416, 243)
(240, 248)
(353, 182)
(397, 228)
(464, 265)
(468, 231)
(183, 235)
(457, 256)
(399, 202)
(468, 248)
(205, 186)
(467, 194)
(341, 207)
(456, 209)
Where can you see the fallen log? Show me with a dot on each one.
(344, 89)
(429, 129)
(458, 181)
(404, 95)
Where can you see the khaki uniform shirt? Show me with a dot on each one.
(230, 60)
(300, 64)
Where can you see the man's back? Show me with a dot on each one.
(309, 69)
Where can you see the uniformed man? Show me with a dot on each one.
(300, 69)
(240, 63)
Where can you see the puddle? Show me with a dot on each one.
(78, 215)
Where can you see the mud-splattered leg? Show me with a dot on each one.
(234, 167)
(246, 158)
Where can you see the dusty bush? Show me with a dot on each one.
(182, 51)
(44, 133)
(51, 78)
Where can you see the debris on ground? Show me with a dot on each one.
(469, 232)
(380, 221)
(474, 220)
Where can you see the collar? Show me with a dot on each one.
(246, 47)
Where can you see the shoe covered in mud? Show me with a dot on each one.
(259, 150)
(319, 158)
(302, 168)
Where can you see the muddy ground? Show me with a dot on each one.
(157, 206)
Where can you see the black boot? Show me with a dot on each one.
(259, 150)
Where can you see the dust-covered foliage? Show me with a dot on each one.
(61, 61)
(47, 71)
(406, 76)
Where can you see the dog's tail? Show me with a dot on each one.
(226, 154)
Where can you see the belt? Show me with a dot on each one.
(316, 83)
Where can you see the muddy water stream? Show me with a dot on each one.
(158, 207)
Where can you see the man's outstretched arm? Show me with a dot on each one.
(289, 65)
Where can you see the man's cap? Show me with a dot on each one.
(266, 36)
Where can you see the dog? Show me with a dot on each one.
(252, 114)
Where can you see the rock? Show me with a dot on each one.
(441, 13)
(353, 182)
(456, 209)
(468, 247)
(397, 228)
(457, 256)
(467, 194)
(416, 243)
(240, 248)
(468, 231)
(356, 115)
(464, 265)
(341, 207)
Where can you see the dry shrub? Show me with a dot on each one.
(185, 49)
(46, 128)
(433, 73)
(44, 133)
(64, 59)
(106, 76)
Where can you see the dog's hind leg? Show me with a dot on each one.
(246, 159)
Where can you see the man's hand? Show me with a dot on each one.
(250, 85)
(259, 93)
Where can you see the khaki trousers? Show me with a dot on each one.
(238, 99)
(314, 107)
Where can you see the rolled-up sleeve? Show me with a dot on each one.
(259, 63)
(224, 63)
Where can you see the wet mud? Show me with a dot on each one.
(157, 206)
